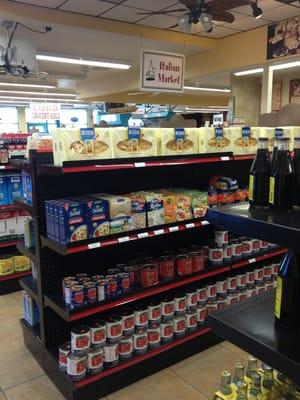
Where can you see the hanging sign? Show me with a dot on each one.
(45, 111)
(162, 72)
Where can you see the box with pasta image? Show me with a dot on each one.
(135, 142)
(176, 141)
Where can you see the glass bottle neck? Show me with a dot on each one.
(283, 145)
(297, 143)
(262, 145)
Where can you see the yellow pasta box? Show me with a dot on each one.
(169, 200)
(244, 140)
(176, 141)
(135, 142)
(217, 140)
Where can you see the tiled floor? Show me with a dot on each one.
(195, 378)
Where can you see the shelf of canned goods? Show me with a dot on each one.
(105, 323)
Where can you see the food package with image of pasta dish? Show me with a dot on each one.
(244, 139)
(217, 140)
(138, 210)
(176, 141)
(81, 144)
(134, 142)
(265, 132)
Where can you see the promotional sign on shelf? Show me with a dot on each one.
(45, 111)
(162, 72)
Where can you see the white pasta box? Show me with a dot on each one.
(176, 141)
(134, 142)
(217, 140)
(244, 140)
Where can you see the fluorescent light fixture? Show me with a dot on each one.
(38, 98)
(292, 64)
(80, 61)
(29, 85)
(208, 110)
(39, 93)
(249, 72)
(206, 89)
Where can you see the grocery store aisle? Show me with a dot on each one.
(195, 378)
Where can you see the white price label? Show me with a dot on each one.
(2, 166)
(225, 158)
(123, 239)
(143, 235)
(159, 232)
(173, 228)
(140, 164)
(189, 226)
(204, 223)
(251, 260)
(94, 245)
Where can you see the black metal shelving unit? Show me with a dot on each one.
(53, 262)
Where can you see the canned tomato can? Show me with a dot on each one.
(267, 272)
(242, 294)
(222, 303)
(111, 354)
(128, 322)
(260, 287)
(251, 291)
(227, 252)
(113, 271)
(201, 315)
(241, 280)
(202, 295)
(84, 280)
(154, 336)
(63, 352)
(258, 274)
(113, 328)
(269, 286)
(149, 275)
(215, 255)
(231, 284)
(250, 277)
(154, 311)
(102, 290)
(82, 275)
(76, 296)
(255, 245)
(166, 267)
(184, 265)
(247, 247)
(94, 361)
(130, 271)
(167, 331)
(205, 250)
(211, 306)
(237, 249)
(179, 303)
(90, 292)
(191, 298)
(221, 286)
(76, 366)
(141, 317)
(264, 244)
(97, 278)
(123, 283)
(221, 237)
(112, 285)
(126, 347)
(232, 298)
(191, 321)
(275, 268)
(211, 290)
(67, 295)
(167, 308)
(197, 261)
(80, 340)
(98, 333)
(140, 341)
(179, 325)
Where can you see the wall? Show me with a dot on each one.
(285, 79)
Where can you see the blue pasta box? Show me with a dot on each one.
(72, 221)
(3, 191)
(27, 187)
(49, 214)
(14, 188)
(97, 217)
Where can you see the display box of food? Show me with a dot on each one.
(81, 144)
(96, 217)
(8, 225)
(155, 208)
(6, 264)
(199, 201)
(21, 263)
(183, 204)
(216, 140)
(3, 191)
(14, 188)
(134, 142)
(176, 141)
(169, 200)
(138, 211)
(244, 140)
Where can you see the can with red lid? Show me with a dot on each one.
(191, 320)
(149, 275)
(221, 286)
(112, 285)
(76, 366)
(215, 255)
(141, 317)
(154, 311)
(111, 354)
(140, 341)
(123, 283)
(201, 315)
(222, 303)
(128, 322)
(197, 261)
(211, 290)
(250, 277)
(126, 347)
(221, 237)
(202, 295)
(166, 267)
(227, 252)
(255, 245)
(80, 340)
(167, 308)
(275, 268)
(154, 335)
(167, 331)
(63, 352)
(130, 271)
(191, 298)
(231, 284)
(184, 265)
(179, 303)
(211, 306)
(98, 333)
(113, 328)
(94, 361)
(179, 325)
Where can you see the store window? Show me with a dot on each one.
(9, 120)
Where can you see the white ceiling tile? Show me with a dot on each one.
(90, 7)
(219, 32)
(122, 13)
(280, 13)
(159, 21)
(247, 23)
(153, 5)
(43, 3)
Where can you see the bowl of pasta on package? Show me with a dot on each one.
(134, 142)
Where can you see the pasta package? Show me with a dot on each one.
(81, 144)
(138, 211)
(176, 141)
(263, 132)
(217, 140)
(243, 139)
(135, 142)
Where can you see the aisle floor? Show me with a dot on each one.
(195, 378)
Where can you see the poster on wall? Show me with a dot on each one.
(162, 72)
(295, 91)
(284, 38)
(276, 96)
(45, 111)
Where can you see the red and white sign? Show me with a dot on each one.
(45, 111)
(162, 72)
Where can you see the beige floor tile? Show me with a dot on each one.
(10, 307)
(166, 387)
(2, 396)
(195, 357)
(235, 349)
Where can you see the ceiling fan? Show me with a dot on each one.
(206, 12)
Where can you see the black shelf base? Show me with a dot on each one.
(9, 286)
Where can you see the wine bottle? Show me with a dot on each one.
(260, 175)
(297, 170)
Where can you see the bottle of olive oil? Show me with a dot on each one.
(239, 374)
(255, 389)
(251, 368)
(267, 383)
(242, 393)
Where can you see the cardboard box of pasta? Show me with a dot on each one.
(134, 142)
(169, 200)
(244, 140)
(154, 207)
(216, 140)
(183, 209)
(138, 210)
(199, 202)
(81, 144)
(176, 141)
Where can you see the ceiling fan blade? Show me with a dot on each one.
(228, 4)
(162, 12)
(191, 4)
(222, 15)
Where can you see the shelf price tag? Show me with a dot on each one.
(204, 223)
(2, 166)
(173, 228)
(159, 232)
(190, 225)
(225, 158)
(140, 164)
(123, 239)
(143, 235)
(92, 246)
(251, 260)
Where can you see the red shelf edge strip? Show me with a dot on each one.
(142, 357)
(14, 276)
(9, 243)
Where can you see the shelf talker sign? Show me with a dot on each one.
(162, 72)
(45, 111)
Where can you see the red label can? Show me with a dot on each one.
(184, 265)
(149, 276)
(166, 267)
(197, 261)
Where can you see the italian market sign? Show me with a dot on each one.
(162, 72)
(45, 111)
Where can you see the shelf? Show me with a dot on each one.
(34, 330)
(79, 247)
(29, 252)
(23, 206)
(276, 226)
(30, 287)
(251, 326)
(15, 275)
(8, 243)
(56, 303)
(8, 207)
(6, 167)
(21, 163)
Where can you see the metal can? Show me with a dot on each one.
(179, 303)
(221, 237)
(184, 265)
(80, 340)
(98, 333)
(126, 347)
(154, 311)
(113, 271)
(167, 331)
(232, 298)
(76, 296)
(205, 250)
(222, 303)
(102, 290)
(90, 292)
(215, 255)
(141, 317)
(140, 341)
(227, 252)
(231, 284)
(113, 328)
(251, 291)
(167, 308)
(267, 272)
(201, 315)
(250, 277)
(260, 287)
(211, 306)
(123, 283)
(112, 285)
(241, 280)
(179, 325)
(242, 294)
(269, 286)
(82, 281)
(258, 274)
(82, 275)
(149, 275)
(111, 354)
(130, 271)
(197, 261)
(128, 322)
(166, 267)
(255, 245)
(221, 286)
(76, 366)
(202, 295)
(275, 268)
(237, 249)
(211, 290)
(94, 361)
(264, 244)
(247, 247)
(154, 336)
(191, 298)
(63, 352)
(67, 294)
(97, 278)
(191, 321)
